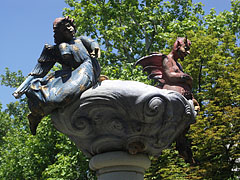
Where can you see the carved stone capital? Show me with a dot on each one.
(124, 116)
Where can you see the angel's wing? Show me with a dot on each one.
(47, 59)
(153, 65)
(45, 62)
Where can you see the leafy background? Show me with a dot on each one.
(128, 30)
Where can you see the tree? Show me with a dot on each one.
(48, 155)
(128, 30)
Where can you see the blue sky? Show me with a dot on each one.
(27, 26)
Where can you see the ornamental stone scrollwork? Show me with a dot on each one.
(124, 116)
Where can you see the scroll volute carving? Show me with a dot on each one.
(126, 116)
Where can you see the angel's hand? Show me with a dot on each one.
(17, 95)
(96, 53)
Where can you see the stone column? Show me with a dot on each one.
(119, 165)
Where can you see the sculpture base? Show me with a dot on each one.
(119, 165)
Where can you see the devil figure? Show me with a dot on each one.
(80, 71)
(168, 72)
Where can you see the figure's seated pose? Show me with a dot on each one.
(80, 71)
(168, 72)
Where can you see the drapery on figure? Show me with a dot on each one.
(168, 72)
(80, 71)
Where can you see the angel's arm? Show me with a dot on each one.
(91, 45)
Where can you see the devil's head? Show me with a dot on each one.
(181, 47)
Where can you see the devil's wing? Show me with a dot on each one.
(153, 65)
(46, 61)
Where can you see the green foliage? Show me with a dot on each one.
(12, 79)
(128, 30)
(215, 136)
(49, 155)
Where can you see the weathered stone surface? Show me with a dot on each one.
(124, 116)
(119, 165)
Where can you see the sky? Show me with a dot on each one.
(27, 26)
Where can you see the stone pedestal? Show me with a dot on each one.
(126, 116)
(119, 165)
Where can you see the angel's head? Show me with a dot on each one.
(182, 47)
(64, 30)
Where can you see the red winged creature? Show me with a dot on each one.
(169, 74)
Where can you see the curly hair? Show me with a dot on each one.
(62, 21)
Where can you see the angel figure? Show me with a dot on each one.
(80, 71)
(168, 72)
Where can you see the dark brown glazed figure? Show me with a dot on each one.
(169, 74)
(80, 71)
